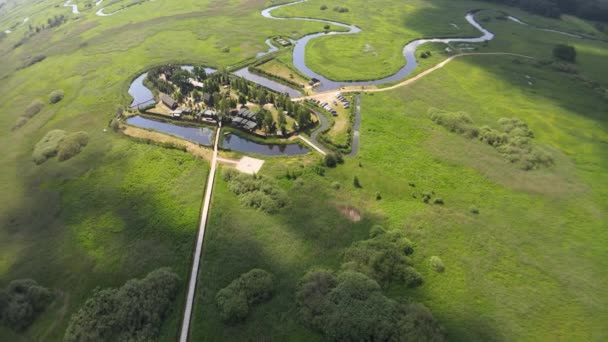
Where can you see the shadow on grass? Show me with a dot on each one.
(99, 220)
(309, 233)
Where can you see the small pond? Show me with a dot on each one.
(240, 144)
(201, 135)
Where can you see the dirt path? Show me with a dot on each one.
(409, 80)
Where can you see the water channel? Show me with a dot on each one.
(238, 143)
(200, 135)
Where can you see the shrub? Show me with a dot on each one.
(474, 210)
(459, 122)
(340, 9)
(412, 184)
(250, 288)
(225, 49)
(335, 185)
(437, 264)
(330, 160)
(47, 147)
(133, 312)
(426, 197)
(115, 125)
(56, 96)
(21, 302)
(376, 231)
(438, 201)
(71, 145)
(33, 109)
(378, 196)
(323, 7)
(356, 182)
(257, 191)
(565, 52)
(326, 27)
(21, 121)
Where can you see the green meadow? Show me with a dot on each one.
(524, 251)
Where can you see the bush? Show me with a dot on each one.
(356, 182)
(71, 145)
(21, 302)
(33, 109)
(459, 122)
(330, 160)
(115, 125)
(340, 9)
(256, 191)
(47, 147)
(438, 201)
(383, 257)
(335, 185)
(326, 27)
(565, 52)
(225, 49)
(378, 196)
(323, 7)
(437, 264)
(474, 210)
(250, 288)
(376, 231)
(56, 96)
(21, 121)
(134, 312)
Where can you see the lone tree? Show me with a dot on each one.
(565, 52)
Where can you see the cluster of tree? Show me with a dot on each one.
(235, 300)
(256, 191)
(513, 138)
(134, 312)
(161, 83)
(21, 302)
(588, 9)
(261, 96)
(350, 306)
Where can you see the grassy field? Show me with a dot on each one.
(531, 266)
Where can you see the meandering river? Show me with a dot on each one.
(409, 50)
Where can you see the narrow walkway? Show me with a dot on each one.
(317, 148)
(199, 243)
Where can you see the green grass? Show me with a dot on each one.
(530, 266)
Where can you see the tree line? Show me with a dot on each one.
(588, 9)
